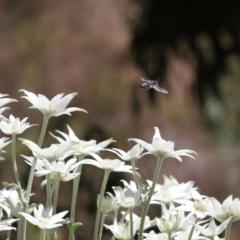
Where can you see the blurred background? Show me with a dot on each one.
(98, 49)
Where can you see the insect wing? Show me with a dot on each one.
(143, 79)
(160, 89)
(152, 82)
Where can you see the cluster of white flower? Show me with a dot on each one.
(186, 215)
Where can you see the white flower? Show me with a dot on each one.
(39, 163)
(122, 230)
(51, 153)
(4, 193)
(115, 165)
(184, 235)
(4, 101)
(195, 206)
(135, 189)
(132, 185)
(155, 236)
(162, 148)
(6, 224)
(44, 219)
(15, 208)
(65, 170)
(214, 238)
(3, 143)
(221, 212)
(127, 198)
(109, 203)
(212, 229)
(132, 154)
(14, 125)
(172, 221)
(13, 202)
(80, 146)
(147, 223)
(171, 190)
(55, 107)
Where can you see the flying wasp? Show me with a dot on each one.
(147, 84)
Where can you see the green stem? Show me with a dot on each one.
(71, 235)
(9, 232)
(228, 231)
(116, 217)
(124, 216)
(49, 190)
(101, 225)
(15, 169)
(76, 182)
(131, 222)
(19, 224)
(28, 192)
(43, 131)
(169, 236)
(43, 234)
(135, 177)
(192, 229)
(31, 176)
(116, 214)
(53, 234)
(56, 190)
(104, 183)
(147, 203)
(40, 141)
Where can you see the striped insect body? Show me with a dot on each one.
(147, 84)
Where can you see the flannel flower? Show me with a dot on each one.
(4, 194)
(3, 143)
(212, 229)
(51, 153)
(172, 220)
(109, 203)
(127, 198)
(80, 146)
(132, 185)
(6, 224)
(144, 189)
(132, 154)
(64, 169)
(183, 235)
(13, 201)
(162, 148)
(229, 208)
(44, 219)
(171, 190)
(147, 223)
(14, 125)
(194, 206)
(4, 101)
(155, 236)
(121, 230)
(114, 165)
(54, 107)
